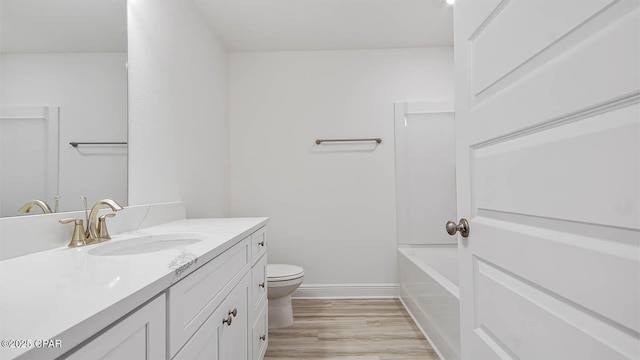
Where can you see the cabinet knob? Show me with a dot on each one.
(261, 285)
(233, 312)
(227, 320)
(263, 337)
(261, 243)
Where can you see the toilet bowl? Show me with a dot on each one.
(282, 281)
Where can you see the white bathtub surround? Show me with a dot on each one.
(20, 126)
(426, 200)
(23, 235)
(71, 294)
(425, 171)
(332, 207)
(429, 291)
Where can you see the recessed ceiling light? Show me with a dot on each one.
(451, 2)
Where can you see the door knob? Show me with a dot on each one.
(463, 227)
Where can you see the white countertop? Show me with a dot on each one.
(68, 294)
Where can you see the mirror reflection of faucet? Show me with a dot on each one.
(26, 208)
(96, 230)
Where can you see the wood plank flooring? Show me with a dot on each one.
(349, 329)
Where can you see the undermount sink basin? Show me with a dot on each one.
(144, 244)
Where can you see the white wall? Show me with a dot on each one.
(332, 207)
(178, 101)
(90, 89)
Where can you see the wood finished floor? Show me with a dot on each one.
(349, 329)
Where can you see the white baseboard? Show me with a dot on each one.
(346, 291)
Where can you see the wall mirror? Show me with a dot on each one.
(63, 79)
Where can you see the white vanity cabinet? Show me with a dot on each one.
(202, 299)
(138, 336)
(258, 321)
(217, 312)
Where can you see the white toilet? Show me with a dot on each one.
(282, 281)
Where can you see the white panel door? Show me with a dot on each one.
(548, 175)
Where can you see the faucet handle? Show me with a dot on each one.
(103, 233)
(78, 238)
(68, 220)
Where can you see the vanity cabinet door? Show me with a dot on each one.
(219, 339)
(139, 336)
(233, 339)
(260, 334)
(258, 288)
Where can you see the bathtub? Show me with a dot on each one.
(429, 292)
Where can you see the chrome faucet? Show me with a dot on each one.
(94, 232)
(28, 206)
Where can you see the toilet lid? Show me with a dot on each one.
(283, 272)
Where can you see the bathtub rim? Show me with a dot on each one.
(429, 270)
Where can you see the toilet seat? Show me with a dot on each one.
(283, 272)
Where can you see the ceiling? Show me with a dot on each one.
(44, 26)
(243, 25)
(277, 25)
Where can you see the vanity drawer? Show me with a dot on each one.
(218, 339)
(195, 297)
(258, 244)
(258, 287)
(260, 334)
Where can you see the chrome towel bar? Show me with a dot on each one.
(320, 141)
(75, 143)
